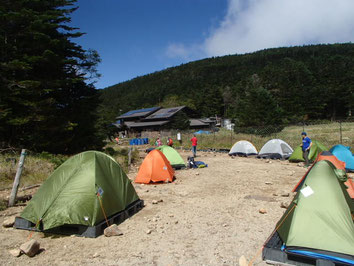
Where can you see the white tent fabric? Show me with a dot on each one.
(243, 148)
(276, 148)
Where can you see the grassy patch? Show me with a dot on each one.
(326, 133)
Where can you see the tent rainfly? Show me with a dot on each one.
(77, 191)
(344, 154)
(155, 168)
(316, 148)
(172, 156)
(275, 149)
(318, 223)
(243, 148)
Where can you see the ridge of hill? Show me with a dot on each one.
(271, 86)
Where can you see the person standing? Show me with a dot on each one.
(169, 142)
(179, 137)
(306, 146)
(194, 141)
(158, 142)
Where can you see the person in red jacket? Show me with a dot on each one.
(194, 141)
(169, 142)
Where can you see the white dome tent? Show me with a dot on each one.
(243, 148)
(275, 149)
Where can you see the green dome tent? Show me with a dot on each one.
(319, 220)
(78, 190)
(172, 156)
(317, 148)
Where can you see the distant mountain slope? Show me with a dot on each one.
(265, 87)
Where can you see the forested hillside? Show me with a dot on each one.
(268, 87)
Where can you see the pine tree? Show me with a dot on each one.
(47, 102)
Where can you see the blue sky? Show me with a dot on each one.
(133, 37)
(138, 37)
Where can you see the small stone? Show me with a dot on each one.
(154, 219)
(147, 190)
(148, 231)
(112, 230)
(160, 200)
(284, 205)
(30, 248)
(268, 183)
(285, 194)
(224, 225)
(176, 222)
(242, 261)
(232, 157)
(15, 252)
(275, 194)
(154, 202)
(95, 255)
(262, 211)
(9, 222)
(171, 215)
(196, 173)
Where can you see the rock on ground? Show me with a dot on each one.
(112, 230)
(9, 222)
(30, 248)
(15, 252)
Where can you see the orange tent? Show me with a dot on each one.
(328, 156)
(155, 168)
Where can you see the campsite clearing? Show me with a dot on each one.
(207, 216)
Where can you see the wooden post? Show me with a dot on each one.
(17, 178)
(130, 156)
(340, 132)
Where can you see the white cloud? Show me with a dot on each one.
(185, 52)
(177, 50)
(273, 23)
(251, 25)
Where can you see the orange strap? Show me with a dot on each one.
(280, 224)
(104, 213)
(31, 233)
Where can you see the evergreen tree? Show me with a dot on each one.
(257, 106)
(46, 100)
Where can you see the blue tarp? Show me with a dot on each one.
(139, 141)
(202, 132)
(344, 154)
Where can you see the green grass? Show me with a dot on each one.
(327, 133)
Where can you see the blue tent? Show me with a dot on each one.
(344, 154)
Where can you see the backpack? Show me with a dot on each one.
(191, 163)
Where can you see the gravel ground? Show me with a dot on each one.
(208, 216)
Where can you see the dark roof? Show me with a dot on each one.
(145, 124)
(138, 113)
(207, 120)
(197, 123)
(165, 113)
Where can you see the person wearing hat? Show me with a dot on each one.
(306, 146)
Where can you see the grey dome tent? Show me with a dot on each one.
(275, 149)
(243, 148)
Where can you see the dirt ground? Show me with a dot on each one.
(208, 216)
